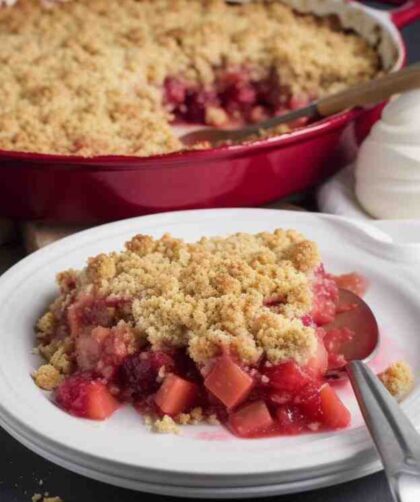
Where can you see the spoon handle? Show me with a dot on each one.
(396, 440)
(372, 92)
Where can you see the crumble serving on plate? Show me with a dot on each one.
(232, 329)
(92, 77)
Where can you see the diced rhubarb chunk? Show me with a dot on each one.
(251, 419)
(175, 395)
(309, 402)
(335, 414)
(101, 403)
(84, 397)
(286, 377)
(228, 382)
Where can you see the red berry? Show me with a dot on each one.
(175, 91)
(138, 374)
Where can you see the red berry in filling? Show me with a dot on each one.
(196, 103)
(228, 382)
(175, 91)
(175, 395)
(138, 374)
(83, 397)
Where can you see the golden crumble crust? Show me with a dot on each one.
(207, 296)
(398, 379)
(101, 267)
(58, 353)
(170, 425)
(100, 92)
(164, 425)
(46, 324)
(47, 377)
(37, 497)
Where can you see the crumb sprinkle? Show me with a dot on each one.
(37, 497)
(398, 378)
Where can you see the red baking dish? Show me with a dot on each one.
(76, 189)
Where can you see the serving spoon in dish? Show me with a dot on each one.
(365, 94)
(395, 438)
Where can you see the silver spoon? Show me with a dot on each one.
(395, 438)
(369, 93)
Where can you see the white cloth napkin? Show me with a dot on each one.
(336, 196)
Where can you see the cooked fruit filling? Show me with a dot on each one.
(234, 99)
(237, 329)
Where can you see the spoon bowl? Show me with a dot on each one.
(356, 318)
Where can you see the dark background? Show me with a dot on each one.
(21, 470)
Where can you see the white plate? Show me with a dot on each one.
(204, 455)
(203, 491)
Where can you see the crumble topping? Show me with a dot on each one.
(164, 425)
(196, 416)
(398, 379)
(207, 297)
(170, 425)
(86, 77)
(47, 377)
(37, 497)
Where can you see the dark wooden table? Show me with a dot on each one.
(22, 473)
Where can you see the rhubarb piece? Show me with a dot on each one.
(228, 382)
(309, 402)
(175, 395)
(287, 377)
(335, 414)
(101, 404)
(251, 419)
(80, 396)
